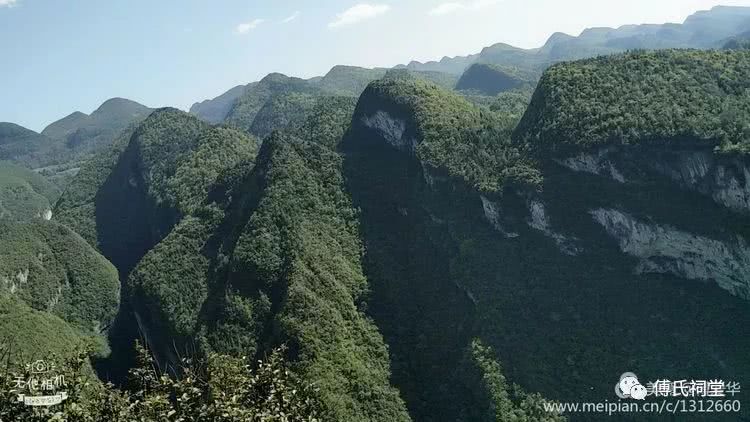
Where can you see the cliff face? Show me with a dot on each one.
(595, 270)
(714, 250)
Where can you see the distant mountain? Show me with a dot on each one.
(277, 100)
(88, 132)
(490, 79)
(349, 80)
(704, 29)
(217, 109)
(20, 145)
(255, 96)
(61, 147)
(453, 65)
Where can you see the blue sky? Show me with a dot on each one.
(59, 56)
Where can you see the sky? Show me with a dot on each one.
(60, 56)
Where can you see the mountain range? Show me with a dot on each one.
(424, 243)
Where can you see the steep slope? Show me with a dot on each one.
(24, 194)
(579, 269)
(52, 275)
(253, 256)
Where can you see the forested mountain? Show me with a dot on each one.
(22, 145)
(490, 80)
(57, 293)
(24, 194)
(404, 244)
(61, 148)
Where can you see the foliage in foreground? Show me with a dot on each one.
(218, 389)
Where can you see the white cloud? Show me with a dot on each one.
(7, 3)
(291, 17)
(452, 7)
(358, 13)
(246, 27)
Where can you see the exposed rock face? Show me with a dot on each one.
(539, 220)
(725, 179)
(594, 163)
(492, 213)
(663, 249)
(391, 129)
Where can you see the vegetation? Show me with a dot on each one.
(301, 251)
(489, 79)
(280, 112)
(642, 97)
(53, 270)
(255, 96)
(29, 334)
(348, 80)
(464, 140)
(22, 146)
(219, 388)
(24, 194)
(508, 403)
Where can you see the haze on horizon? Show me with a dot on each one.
(60, 57)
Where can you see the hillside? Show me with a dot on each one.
(24, 194)
(273, 235)
(686, 96)
(491, 80)
(557, 271)
(22, 146)
(66, 144)
(56, 291)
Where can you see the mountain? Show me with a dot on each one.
(268, 245)
(451, 65)
(22, 145)
(621, 191)
(24, 194)
(491, 80)
(245, 108)
(348, 80)
(704, 29)
(56, 293)
(58, 152)
(80, 132)
(217, 109)
(254, 106)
